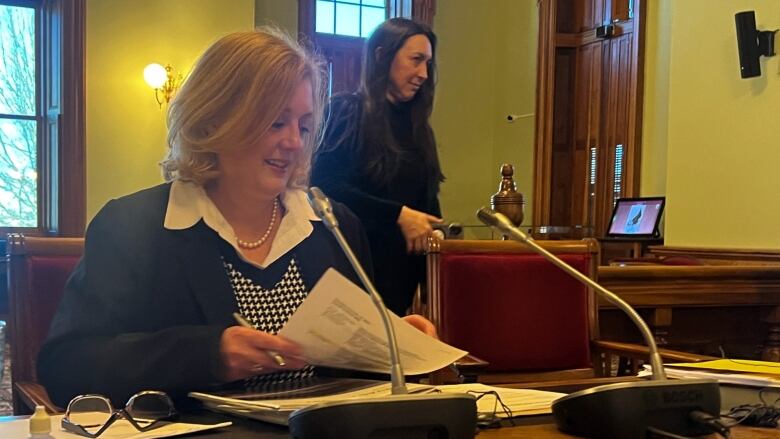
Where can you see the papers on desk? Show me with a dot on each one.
(121, 429)
(729, 365)
(276, 406)
(741, 372)
(339, 326)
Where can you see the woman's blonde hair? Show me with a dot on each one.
(235, 91)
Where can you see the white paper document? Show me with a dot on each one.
(743, 379)
(276, 404)
(121, 429)
(339, 326)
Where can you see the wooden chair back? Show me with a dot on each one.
(512, 308)
(38, 268)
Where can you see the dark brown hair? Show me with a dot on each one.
(381, 149)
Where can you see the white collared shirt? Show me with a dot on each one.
(188, 203)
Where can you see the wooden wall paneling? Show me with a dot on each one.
(587, 116)
(306, 19)
(620, 9)
(605, 115)
(568, 17)
(633, 156)
(344, 57)
(594, 14)
(565, 60)
(545, 86)
(424, 11)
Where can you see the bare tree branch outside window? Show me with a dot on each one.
(18, 118)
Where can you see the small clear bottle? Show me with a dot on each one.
(40, 424)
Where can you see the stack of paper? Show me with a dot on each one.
(743, 372)
(276, 407)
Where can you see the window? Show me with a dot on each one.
(354, 18)
(42, 181)
(20, 116)
(338, 29)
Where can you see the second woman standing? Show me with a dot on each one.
(378, 155)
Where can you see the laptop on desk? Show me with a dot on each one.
(636, 219)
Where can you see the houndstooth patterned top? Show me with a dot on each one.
(268, 308)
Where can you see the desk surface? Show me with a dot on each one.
(548, 431)
(536, 427)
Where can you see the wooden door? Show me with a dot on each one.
(588, 102)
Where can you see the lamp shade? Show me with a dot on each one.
(155, 75)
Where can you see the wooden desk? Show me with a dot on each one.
(534, 427)
(736, 307)
(548, 431)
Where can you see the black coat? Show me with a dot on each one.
(146, 306)
(339, 170)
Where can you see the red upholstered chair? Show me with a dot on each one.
(525, 317)
(38, 268)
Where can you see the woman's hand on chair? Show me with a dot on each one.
(416, 227)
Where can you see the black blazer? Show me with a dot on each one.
(146, 306)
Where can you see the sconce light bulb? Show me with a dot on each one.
(155, 75)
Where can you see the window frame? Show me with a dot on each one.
(420, 10)
(60, 164)
(361, 9)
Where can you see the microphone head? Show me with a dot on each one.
(503, 224)
(322, 207)
(492, 218)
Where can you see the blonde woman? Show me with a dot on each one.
(150, 305)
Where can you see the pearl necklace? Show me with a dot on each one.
(250, 245)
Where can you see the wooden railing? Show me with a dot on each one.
(720, 256)
(700, 306)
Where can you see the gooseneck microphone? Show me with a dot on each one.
(401, 415)
(623, 410)
(322, 207)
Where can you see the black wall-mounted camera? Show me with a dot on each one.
(752, 44)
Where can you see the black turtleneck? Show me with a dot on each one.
(339, 170)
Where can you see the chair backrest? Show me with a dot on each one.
(38, 268)
(511, 307)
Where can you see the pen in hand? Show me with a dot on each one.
(278, 359)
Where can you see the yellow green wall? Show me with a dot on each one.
(723, 157)
(125, 128)
(515, 90)
(487, 69)
(282, 13)
(655, 119)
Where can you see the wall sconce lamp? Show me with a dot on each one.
(163, 81)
